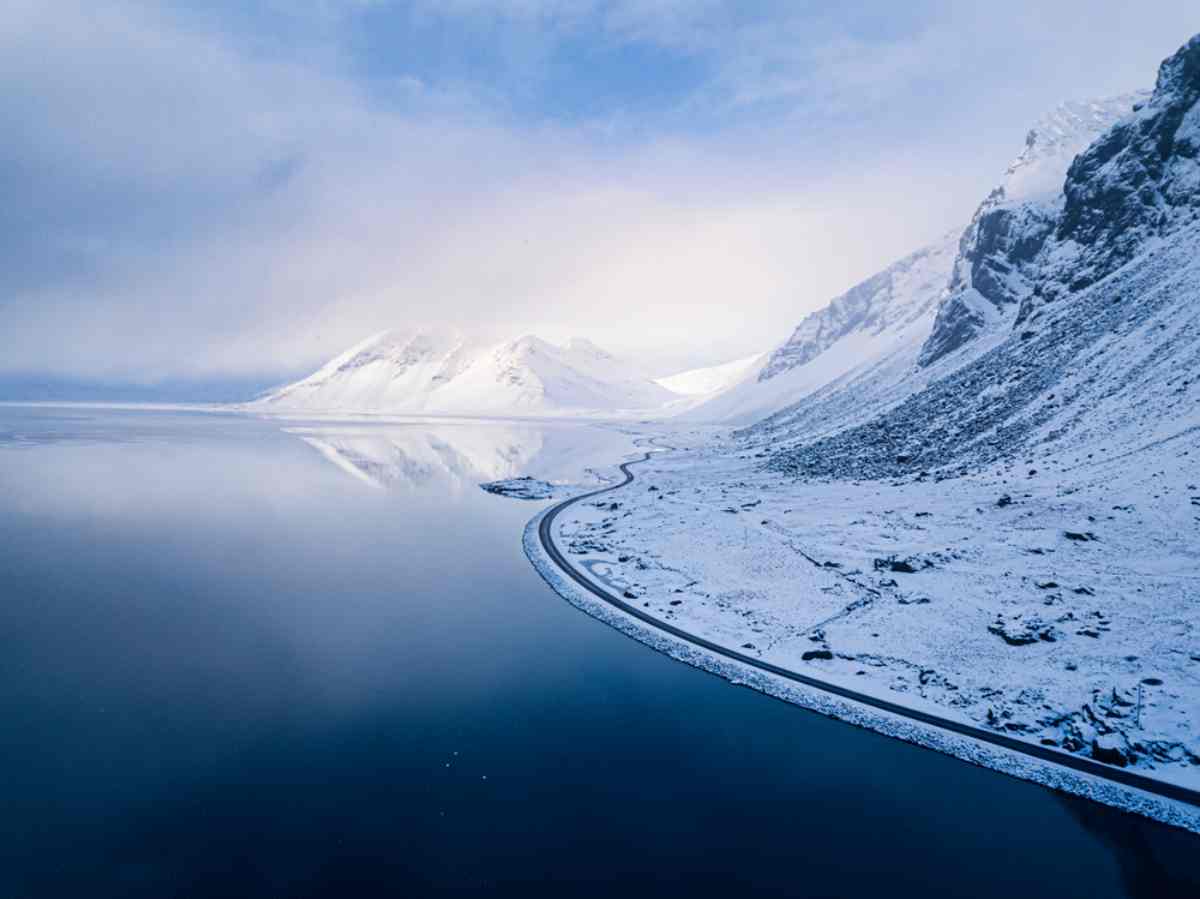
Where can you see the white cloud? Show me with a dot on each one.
(185, 204)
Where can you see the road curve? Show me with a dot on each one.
(1042, 753)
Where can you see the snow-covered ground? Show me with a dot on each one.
(1058, 607)
(1002, 527)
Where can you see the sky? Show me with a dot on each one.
(238, 190)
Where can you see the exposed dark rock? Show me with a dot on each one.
(903, 566)
(521, 488)
(1111, 749)
(1018, 632)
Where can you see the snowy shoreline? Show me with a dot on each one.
(622, 569)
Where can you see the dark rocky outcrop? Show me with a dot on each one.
(1138, 182)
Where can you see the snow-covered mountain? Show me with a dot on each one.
(992, 273)
(880, 322)
(712, 379)
(878, 343)
(445, 373)
(1103, 347)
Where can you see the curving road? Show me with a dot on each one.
(1042, 753)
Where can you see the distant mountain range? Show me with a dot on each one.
(446, 373)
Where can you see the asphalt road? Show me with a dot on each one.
(1042, 753)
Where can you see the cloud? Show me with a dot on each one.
(186, 198)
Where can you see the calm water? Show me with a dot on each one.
(248, 658)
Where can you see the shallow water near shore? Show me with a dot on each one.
(254, 657)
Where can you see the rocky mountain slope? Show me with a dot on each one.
(881, 322)
(890, 335)
(1108, 331)
(992, 273)
(445, 373)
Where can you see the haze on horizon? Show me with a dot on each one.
(241, 190)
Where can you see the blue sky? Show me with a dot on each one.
(239, 189)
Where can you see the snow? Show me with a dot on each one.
(1055, 140)
(756, 579)
(702, 382)
(446, 373)
(879, 324)
(1007, 533)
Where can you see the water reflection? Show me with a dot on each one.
(1147, 853)
(460, 455)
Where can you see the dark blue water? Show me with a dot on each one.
(241, 658)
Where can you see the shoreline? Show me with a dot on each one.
(1160, 800)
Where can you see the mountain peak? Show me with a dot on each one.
(585, 346)
(1138, 183)
(1181, 73)
(992, 275)
(1055, 139)
(439, 371)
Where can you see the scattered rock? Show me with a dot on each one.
(1080, 537)
(1020, 632)
(891, 563)
(1111, 749)
(812, 654)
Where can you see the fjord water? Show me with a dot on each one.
(245, 657)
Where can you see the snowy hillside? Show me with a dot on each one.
(881, 322)
(1008, 534)
(445, 373)
(992, 272)
(1107, 328)
(860, 353)
(701, 382)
